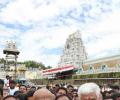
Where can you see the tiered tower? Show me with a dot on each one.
(74, 52)
(11, 53)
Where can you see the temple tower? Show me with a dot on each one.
(74, 52)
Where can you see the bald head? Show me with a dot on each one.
(43, 94)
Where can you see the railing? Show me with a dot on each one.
(108, 70)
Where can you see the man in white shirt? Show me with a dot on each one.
(12, 88)
(6, 81)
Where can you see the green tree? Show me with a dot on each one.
(48, 67)
(34, 64)
(41, 65)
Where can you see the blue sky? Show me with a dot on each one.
(40, 27)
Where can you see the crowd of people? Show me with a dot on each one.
(10, 90)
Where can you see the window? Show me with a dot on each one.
(80, 69)
(91, 67)
(103, 67)
(68, 46)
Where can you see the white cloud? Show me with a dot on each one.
(6, 34)
(33, 42)
(3, 1)
(52, 24)
(50, 60)
(107, 31)
(108, 24)
(25, 11)
(28, 11)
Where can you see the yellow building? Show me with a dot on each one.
(37, 74)
(101, 65)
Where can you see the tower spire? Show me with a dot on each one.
(74, 51)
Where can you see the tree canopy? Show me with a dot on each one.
(34, 64)
(29, 64)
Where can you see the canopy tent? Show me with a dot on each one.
(58, 70)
